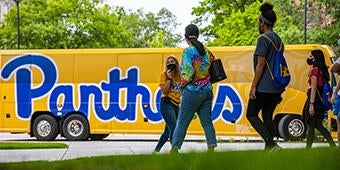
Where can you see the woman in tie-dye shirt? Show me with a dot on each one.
(196, 91)
(195, 70)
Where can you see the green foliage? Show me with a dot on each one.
(312, 159)
(85, 24)
(240, 28)
(150, 30)
(215, 12)
(31, 145)
(235, 22)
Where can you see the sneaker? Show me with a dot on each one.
(174, 151)
(275, 148)
(211, 149)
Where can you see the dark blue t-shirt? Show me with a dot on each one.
(265, 48)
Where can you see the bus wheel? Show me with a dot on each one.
(292, 128)
(75, 128)
(45, 128)
(98, 136)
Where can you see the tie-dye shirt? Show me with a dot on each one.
(195, 70)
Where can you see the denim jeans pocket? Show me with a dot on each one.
(166, 100)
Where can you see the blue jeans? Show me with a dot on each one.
(191, 103)
(169, 113)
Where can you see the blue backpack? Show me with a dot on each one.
(280, 74)
(327, 90)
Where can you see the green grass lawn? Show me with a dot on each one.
(288, 159)
(31, 145)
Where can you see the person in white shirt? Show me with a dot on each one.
(335, 99)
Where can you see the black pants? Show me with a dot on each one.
(265, 102)
(315, 122)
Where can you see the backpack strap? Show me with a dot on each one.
(277, 49)
(271, 73)
(319, 94)
(323, 84)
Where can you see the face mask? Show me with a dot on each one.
(260, 27)
(171, 67)
(260, 30)
(310, 61)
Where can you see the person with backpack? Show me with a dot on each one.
(196, 91)
(314, 110)
(263, 95)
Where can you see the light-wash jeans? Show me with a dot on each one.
(191, 103)
(169, 113)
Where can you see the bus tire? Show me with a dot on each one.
(45, 128)
(76, 128)
(291, 128)
(98, 136)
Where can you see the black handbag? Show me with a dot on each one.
(216, 69)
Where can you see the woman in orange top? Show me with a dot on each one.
(169, 106)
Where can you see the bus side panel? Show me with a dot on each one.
(144, 106)
(230, 95)
(63, 65)
(1, 101)
(9, 115)
(91, 70)
(80, 73)
(295, 94)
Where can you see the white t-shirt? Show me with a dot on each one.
(338, 61)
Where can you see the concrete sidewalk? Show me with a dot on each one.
(121, 145)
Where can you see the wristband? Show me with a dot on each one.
(311, 102)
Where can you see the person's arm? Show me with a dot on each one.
(312, 94)
(165, 83)
(335, 92)
(187, 69)
(166, 87)
(262, 47)
(261, 64)
(335, 67)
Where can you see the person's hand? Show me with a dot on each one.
(252, 92)
(169, 74)
(333, 98)
(311, 109)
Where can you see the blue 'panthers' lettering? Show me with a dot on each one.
(24, 90)
(232, 114)
(92, 95)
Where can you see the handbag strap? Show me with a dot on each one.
(211, 55)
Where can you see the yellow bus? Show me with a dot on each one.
(89, 93)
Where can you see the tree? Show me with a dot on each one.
(150, 30)
(240, 28)
(322, 22)
(216, 11)
(63, 24)
(231, 25)
(81, 24)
